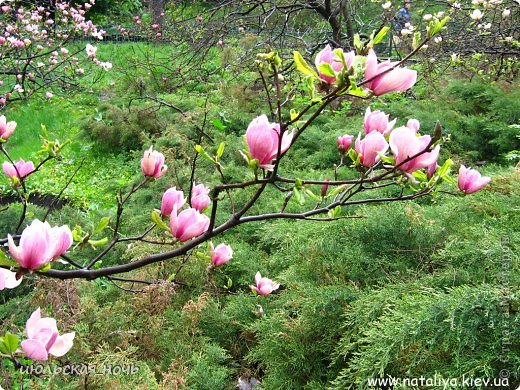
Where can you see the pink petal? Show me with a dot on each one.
(34, 350)
(62, 345)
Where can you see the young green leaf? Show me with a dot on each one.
(220, 150)
(103, 223)
(302, 66)
(156, 218)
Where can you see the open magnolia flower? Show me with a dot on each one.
(378, 121)
(370, 147)
(398, 79)
(6, 128)
(188, 224)
(404, 144)
(328, 56)
(172, 198)
(263, 138)
(19, 170)
(220, 254)
(470, 180)
(43, 338)
(152, 164)
(40, 244)
(264, 286)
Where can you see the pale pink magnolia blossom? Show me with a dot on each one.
(40, 244)
(369, 147)
(6, 128)
(188, 224)
(43, 338)
(172, 198)
(263, 138)
(378, 121)
(328, 56)
(8, 279)
(264, 286)
(200, 197)
(470, 180)
(91, 50)
(344, 142)
(398, 79)
(22, 169)
(220, 254)
(404, 144)
(152, 164)
(413, 124)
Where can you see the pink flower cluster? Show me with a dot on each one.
(33, 42)
(411, 151)
(380, 78)
(188, 223)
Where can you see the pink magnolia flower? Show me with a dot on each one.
(413, 124)
(43, 338)
(152, 163)
(368, 148)
(264, 286)
(22, 169)
(378, 121)
(8, 279)
(262, 140)
(200, 197)
(40, 244)
(404, 144)
(221, 254)
(49, 95)
(188, 224)
(172, 197)
(470, 180)
(398, 79)
(328, 56)
(344, 142)
(6, 128)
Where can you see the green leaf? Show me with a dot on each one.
(11, 341)
(3, 347)
(103, 223)
(386, 159)
(220, 150)
(436, 26)
(5, 261)
(335, 212)
(445, 169)
(200, 150)
(298, 196)
(311, 194)
(302, 66)
(337, 190)
(218, 124)
(353, 155)
(45, 268)
(96, 243)
(416, 40)
(325, 69)
(380, 35)
(156, 218)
